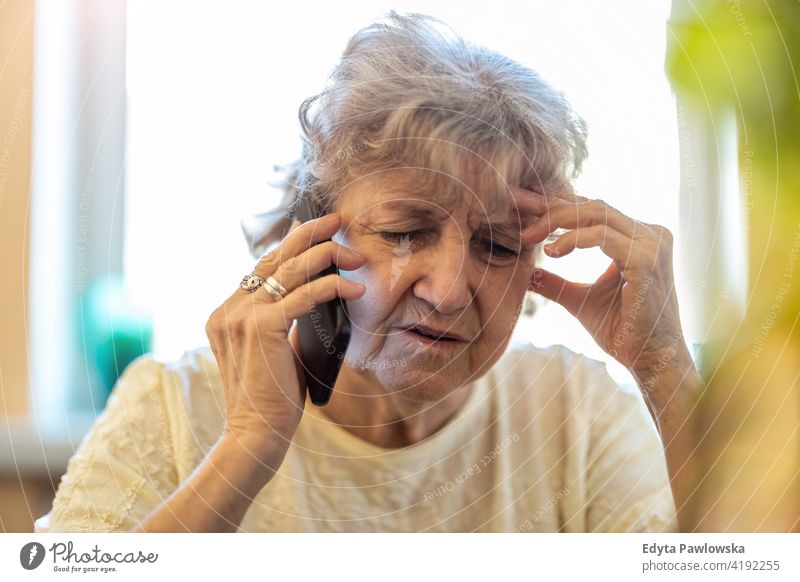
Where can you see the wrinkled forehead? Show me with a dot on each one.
(424, 193)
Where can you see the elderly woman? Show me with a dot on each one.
(441, 167)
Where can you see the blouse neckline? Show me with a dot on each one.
(444, 440)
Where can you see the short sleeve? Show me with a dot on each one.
(124, 467)
(627, 482)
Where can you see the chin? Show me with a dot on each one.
(420, 384)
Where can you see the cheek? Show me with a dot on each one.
(386, 275)
(372, 311)
(502, 305)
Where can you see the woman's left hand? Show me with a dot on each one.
(631, 311)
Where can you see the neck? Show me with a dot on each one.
(361, 406)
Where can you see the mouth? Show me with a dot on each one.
(432, 334)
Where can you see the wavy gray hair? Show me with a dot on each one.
(409, 93)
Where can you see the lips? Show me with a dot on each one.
(435, 333)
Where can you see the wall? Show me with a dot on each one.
(20, 495)
(16, 60)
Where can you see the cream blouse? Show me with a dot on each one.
(545, 442)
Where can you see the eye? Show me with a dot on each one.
(498, 251)
(406, 238)
(403, 238)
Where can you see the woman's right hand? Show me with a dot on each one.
(257, 349)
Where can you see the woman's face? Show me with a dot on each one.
(434, 265)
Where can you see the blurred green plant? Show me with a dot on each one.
(744, 55)
(115, 331)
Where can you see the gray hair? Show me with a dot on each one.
(409, 93)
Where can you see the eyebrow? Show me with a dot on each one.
(430, 213)
(414, 209)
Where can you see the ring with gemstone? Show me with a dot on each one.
(251, 282)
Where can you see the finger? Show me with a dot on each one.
(530, 205)
(297, 240)
(582, 214)
(571, 295)
(557, 194)
(294, 341)
(302, 300)
(296, 271)
(616, 246)
(295, 224)
(533, 200)
(611, 277)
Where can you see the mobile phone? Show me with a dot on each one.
(324, 332)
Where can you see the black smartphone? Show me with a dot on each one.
(324, 332)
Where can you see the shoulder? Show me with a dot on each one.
(555, 366)
(580, 386)
(138, 388)
(194, 363)
(194, 391)
(556, 357)
(193, 375)
(186, 392)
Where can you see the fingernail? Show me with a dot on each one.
(358, 286)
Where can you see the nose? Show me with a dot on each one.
(444, 282)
